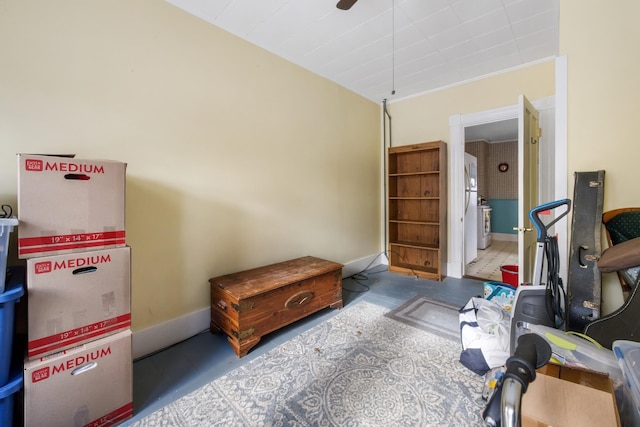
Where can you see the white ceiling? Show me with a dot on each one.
(502, 131)
(412, 46)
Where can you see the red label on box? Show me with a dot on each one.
(40, 374)
(79, 361)
(44, 244)
(71, 238)
(73, 167)
(52, 342)
(34, 165)
(114, 417)
(37, 165)
(42, 267)
(74, 263)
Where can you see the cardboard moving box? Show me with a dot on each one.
(76, 298)
(88, 385)
(69, 205)
(566, 397)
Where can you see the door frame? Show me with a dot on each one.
(457, 123)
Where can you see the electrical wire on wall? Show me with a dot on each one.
(387, 117)
(386, 136)
(393, 47)
(386, 144)
(385, 149)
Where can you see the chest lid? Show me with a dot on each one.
(248, 283)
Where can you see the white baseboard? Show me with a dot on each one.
(165, 334)
(454, 270)
(504, 237)
(359, 265)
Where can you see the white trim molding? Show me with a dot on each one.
(457, 123)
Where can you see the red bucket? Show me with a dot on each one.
(510, 275)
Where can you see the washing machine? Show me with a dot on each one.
(484, 226)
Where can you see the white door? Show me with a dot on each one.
(528, 148)
(471, 210)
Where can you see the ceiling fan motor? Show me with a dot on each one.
(345, 4)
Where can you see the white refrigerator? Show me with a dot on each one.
(470, 208)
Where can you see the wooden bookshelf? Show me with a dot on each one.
(417, 209)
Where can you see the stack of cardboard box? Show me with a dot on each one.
(78, 369)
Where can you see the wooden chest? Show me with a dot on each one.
(252, 303)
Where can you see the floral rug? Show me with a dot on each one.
(359, 368)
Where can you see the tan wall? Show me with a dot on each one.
(600, 42)
(426, 117)
(236, 158)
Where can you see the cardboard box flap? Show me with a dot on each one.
(555, 402)
(562, 396)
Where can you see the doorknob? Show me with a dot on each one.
(522, 229)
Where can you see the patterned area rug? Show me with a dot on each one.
(358, 368)
(432, 316)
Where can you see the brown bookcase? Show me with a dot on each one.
(417, 209)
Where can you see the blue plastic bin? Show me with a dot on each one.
(8, 300)
(7, 393)
(6, 227)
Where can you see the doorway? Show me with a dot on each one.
(548, 168)
(494, 146)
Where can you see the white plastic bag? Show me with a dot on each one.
(485, 334)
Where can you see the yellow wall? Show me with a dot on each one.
(600, 40)
(236, 158)
(600, 44)
(426, 117)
